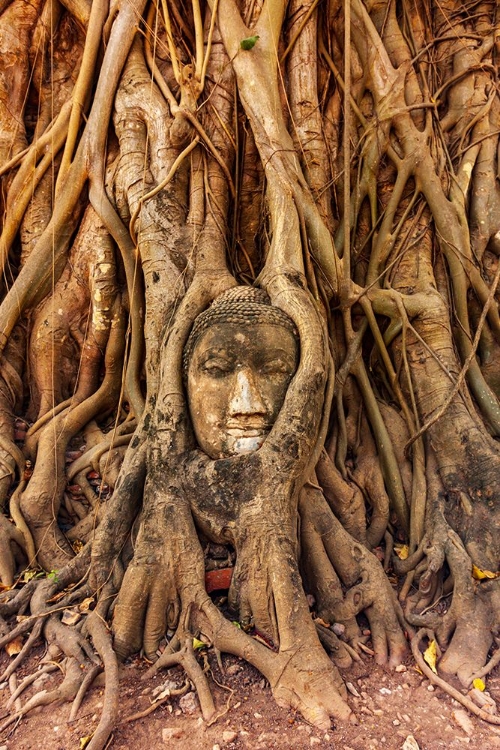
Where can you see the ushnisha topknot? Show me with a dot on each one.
(241, 305)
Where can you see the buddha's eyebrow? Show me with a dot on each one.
(216, 351)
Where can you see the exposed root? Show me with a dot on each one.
(436, 680)
(186, 658)
(66, 691)
(89, 678)
(157, 703)
(102, 641)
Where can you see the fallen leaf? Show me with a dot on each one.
(198, 644)
(479, 684)
(84, 741)
(430, 655)
(402, 551)
(14, 647)
(70, 617)
(86, 604)
(480, 575)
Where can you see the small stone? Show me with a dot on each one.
(406, 718)
(410, 743)
(56, 729)
(338, 628)
(400, 668)
(377, 712)
(396, 722)
(146, 691)
(257, 715)
(167, 685)
(326, 738)
(262, 684)
(233, 669)
(462, 719)
(216, 747)
(170, 733)
(188, 703)
(314, 741)
(352, 689)
(385, 691)
(430, 688)
(229, 735)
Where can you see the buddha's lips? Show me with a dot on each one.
(247, 430)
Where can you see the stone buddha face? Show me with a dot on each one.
(237, 378)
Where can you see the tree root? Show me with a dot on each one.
(66, 691)
(102, 642)
(185, 657)
(142, 714)
(436, 680)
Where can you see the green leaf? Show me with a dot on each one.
(249, 42)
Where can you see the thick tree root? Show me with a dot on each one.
(449, 689)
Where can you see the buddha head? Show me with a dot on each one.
(238, 362)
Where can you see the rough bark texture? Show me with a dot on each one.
(342, 156)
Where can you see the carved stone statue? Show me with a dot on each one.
(238, 363)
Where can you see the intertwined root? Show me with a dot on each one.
(466, 628)
(331, 557)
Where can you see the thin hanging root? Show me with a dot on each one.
(149, 710)
(46, 669)
(65, 692)
(187, 660)
(436, 680)
(87, 682)
(102, 643)
(33, 637)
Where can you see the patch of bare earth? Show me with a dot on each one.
(394, 710)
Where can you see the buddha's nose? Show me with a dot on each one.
(246, 398)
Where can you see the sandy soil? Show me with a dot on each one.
(394, 710)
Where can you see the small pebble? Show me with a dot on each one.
(400, 668)
(396, 722)
(188, 703)
(430, 688)
(257, 715)
(216, 747)
(385, 691)
(233, 669)
(171, 733)
(315, 741)
(229, 735)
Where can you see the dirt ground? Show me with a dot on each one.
(395, 710)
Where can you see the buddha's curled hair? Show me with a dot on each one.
(242, 306)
